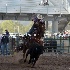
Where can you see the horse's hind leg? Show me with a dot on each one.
(30, 60)
(34, 60)
(23, 54)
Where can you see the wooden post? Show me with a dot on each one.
(69, 44)
(60, 43)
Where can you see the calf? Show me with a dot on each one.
(35, 51)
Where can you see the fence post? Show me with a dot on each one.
(60, 43)
(63, 45)
(12, 45)
(17, 41)
(69, 44)
(54, 36)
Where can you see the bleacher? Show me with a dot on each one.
(32, 6)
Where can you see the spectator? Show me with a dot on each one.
(0, 40)
(7, 33)
(4, 42)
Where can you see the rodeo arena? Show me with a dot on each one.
(39, 48)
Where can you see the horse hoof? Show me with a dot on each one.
(32, 66)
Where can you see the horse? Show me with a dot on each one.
(35, 35)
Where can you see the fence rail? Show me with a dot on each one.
(61, 44)
(13, 43)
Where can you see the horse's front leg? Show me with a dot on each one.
(24, 51)
(26, 55)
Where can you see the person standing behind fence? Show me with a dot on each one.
(7, 33)
(4, 42)
(0, 40)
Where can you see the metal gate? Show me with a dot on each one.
(61, 44)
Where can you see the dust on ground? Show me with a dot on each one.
(45, 62)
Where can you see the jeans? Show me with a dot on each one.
(3, 48)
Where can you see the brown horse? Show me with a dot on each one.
(35, 35)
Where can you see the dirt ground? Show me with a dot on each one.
(45, 62)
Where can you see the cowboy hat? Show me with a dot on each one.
(39, 16)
